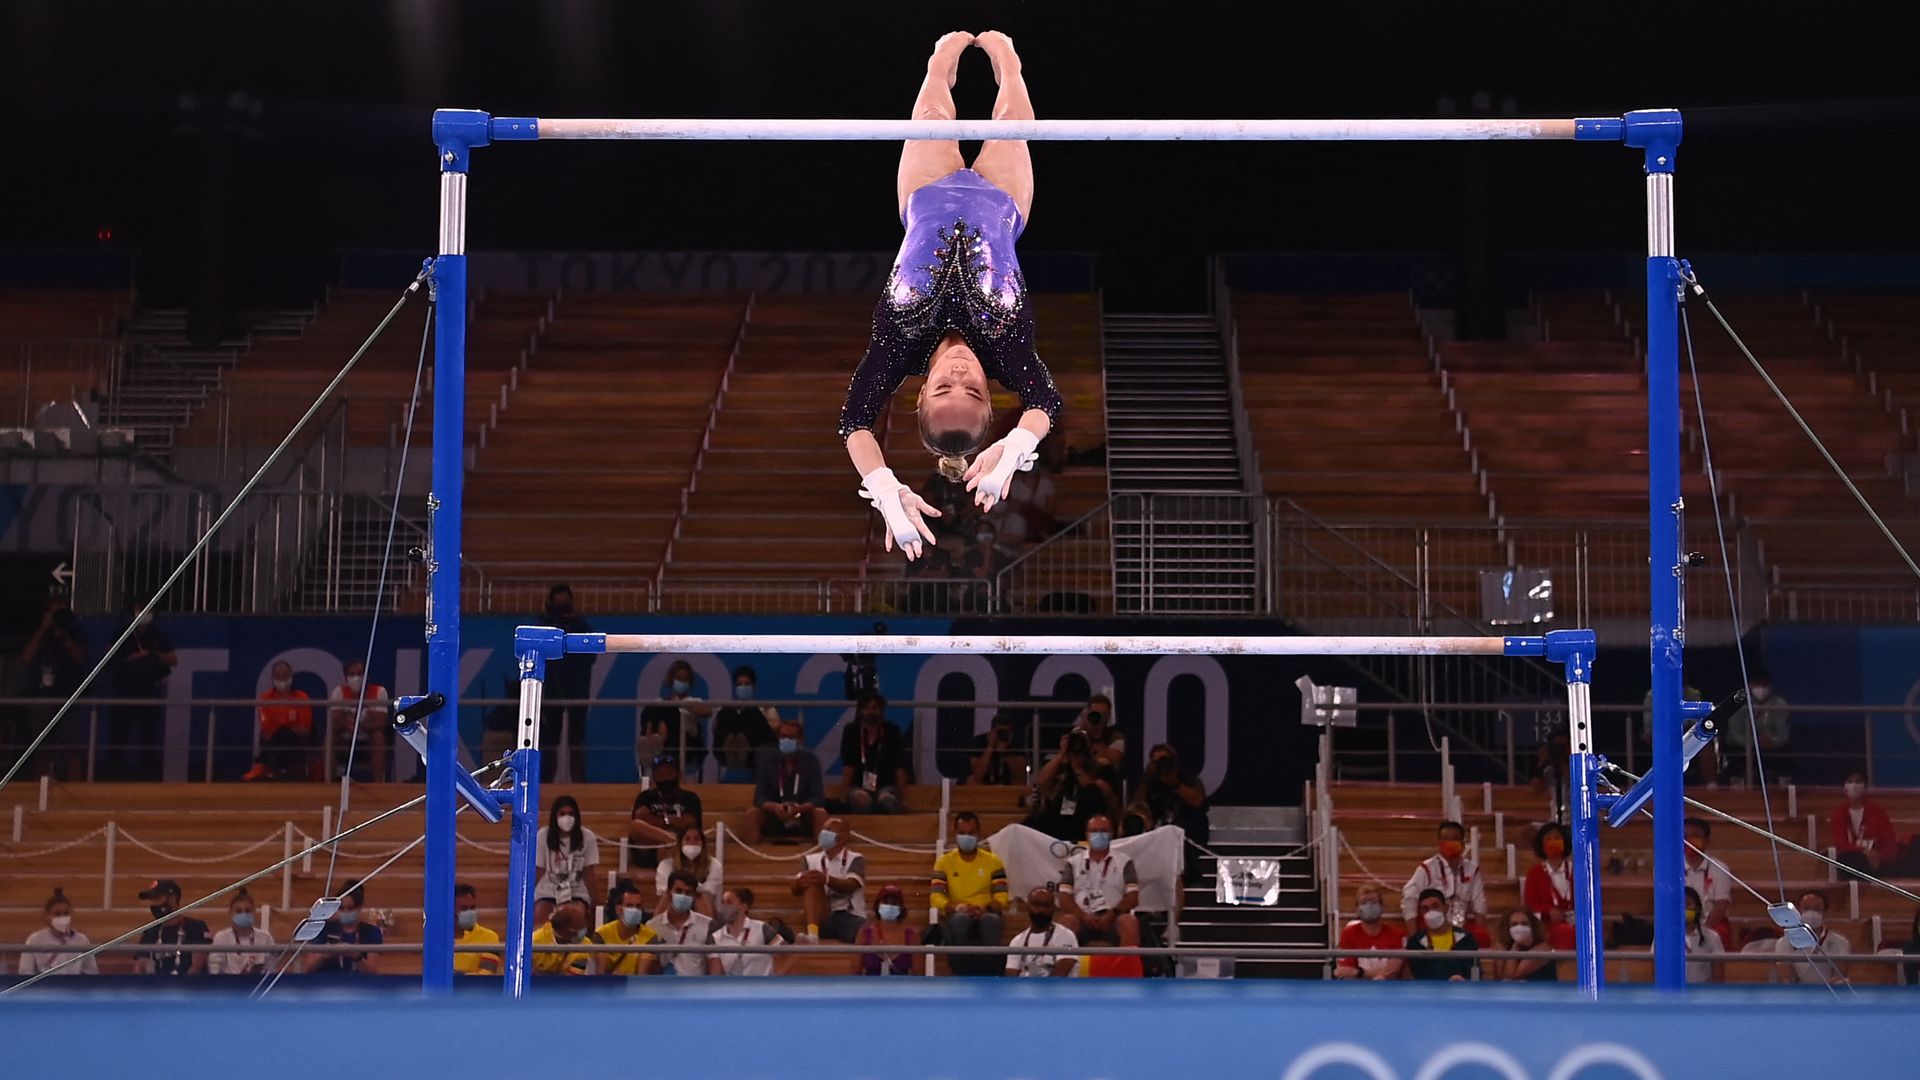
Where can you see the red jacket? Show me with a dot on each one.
(1875, 825)
(1539, 895)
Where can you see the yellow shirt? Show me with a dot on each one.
(615, 933)
(473, 963)
(980, 880)
(555, 963)
(1442, 941)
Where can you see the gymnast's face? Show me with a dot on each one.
(955, 395)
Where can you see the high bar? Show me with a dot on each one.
(1053, 644)
(1410, 130)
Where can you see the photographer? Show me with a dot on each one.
(55, 660)
(1169, 795)
(995, 760)
(1073, 787)
(1096, 720)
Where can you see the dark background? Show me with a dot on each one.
(120, 120)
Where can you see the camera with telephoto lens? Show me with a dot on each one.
(1077, 743)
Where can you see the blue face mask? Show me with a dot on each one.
(349, 918)
(632, 917)
(789, 746)
(967, 842)
(828, 838)
(243, 920)
(1098, 841)
(743, 692)
(682, 902)
(681, 686)
(466, 920)
(890, 912)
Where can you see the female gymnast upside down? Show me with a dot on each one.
(955, 307)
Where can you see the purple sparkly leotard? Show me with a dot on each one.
(956, 271)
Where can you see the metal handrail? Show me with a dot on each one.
(706, 439)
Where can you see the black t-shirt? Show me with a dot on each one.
(998, 770)
(1168, 808)
(878, 761)
(1065, 815)
(680, 803)
(137, 675)
(357, 934)
(52, 671)
(186, 932)
(570, 676)
(746, 721)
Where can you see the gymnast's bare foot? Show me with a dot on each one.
(945, 60)
(999, 49)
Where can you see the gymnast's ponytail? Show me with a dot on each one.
(953, 469)
(952, 446)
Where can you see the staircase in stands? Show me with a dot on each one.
(1297, 921)
(167, 377)
(1183, 528)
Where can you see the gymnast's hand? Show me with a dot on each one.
(904, 511)
(991, 474)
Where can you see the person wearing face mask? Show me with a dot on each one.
(1704, 943)
(662, 813)
(1548, 889)
(286, 731)
(468, 931)
(1435, 933)
(736, 926)
(569, 678)
(1708, 877)
(970, 892)
(1041, 933)
(1520, 932)
(349, 926)
(1099, 888)
(1455, 877)
(873, 759)
(1769, 712)
(566, 859)
(832, 886)
(789, 792)
(566, 926)
(673, 725)
(692, 856)
(1862, 831)
(372, 703)
(1369, 931)
(742, 730)
(680, 924)
(888, 928)
(1814, 968)
(58, 932)
(163, 899)
(628, 926)
(251, 945)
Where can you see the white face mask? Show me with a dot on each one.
(566, 822)
(1814, 919)
(1856, 789)
(691, 851)
(1435, 919)
(1521, 935)
(1760, 693)
(283, 685)
(61, 923)
(354, 682)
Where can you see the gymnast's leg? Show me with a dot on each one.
(924, 161)
(1005, 162)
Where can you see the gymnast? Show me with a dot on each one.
(955, 307)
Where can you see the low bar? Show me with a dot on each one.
(1412, 130)
(1052, 644)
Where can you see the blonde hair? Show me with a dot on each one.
(952, 469)
(954, 444)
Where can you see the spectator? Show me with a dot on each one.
(890, 928)
(468, 931)
(1816, 969)
(693, 857)
(995, 760)
(1769, 712)
(1702, 942)
(1072, 788)
(1436, 933)
(60, 935)
(249, 944)
(347, 927)
(1548, 891)
(55, 660)
(970, 890)
(1706, 876)
(1520, 932)
(1108, 745)
(788, 791)
(1370, 931)
(1099, 888)
(674, 723)
(832, 886)
(566, 860)
(1041, 933)
(742, 730)
(356, 700)
(1456, 879)
(628, 927)
(1169, 795)
(567, 926)
(681, 925)
(563, 728)
(1863, 835)
(661, 813)
(163, 897)
(736, 926)
(141, 670)
(286, 731)
(873, 759)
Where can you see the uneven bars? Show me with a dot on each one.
(1609, 129)
(1051, 644)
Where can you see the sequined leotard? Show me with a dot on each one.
(956, 271)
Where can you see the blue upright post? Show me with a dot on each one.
(1575, 650)
(1657, 132)
(455, 132)
(533, 647)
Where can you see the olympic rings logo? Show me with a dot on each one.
(1471, 1053)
